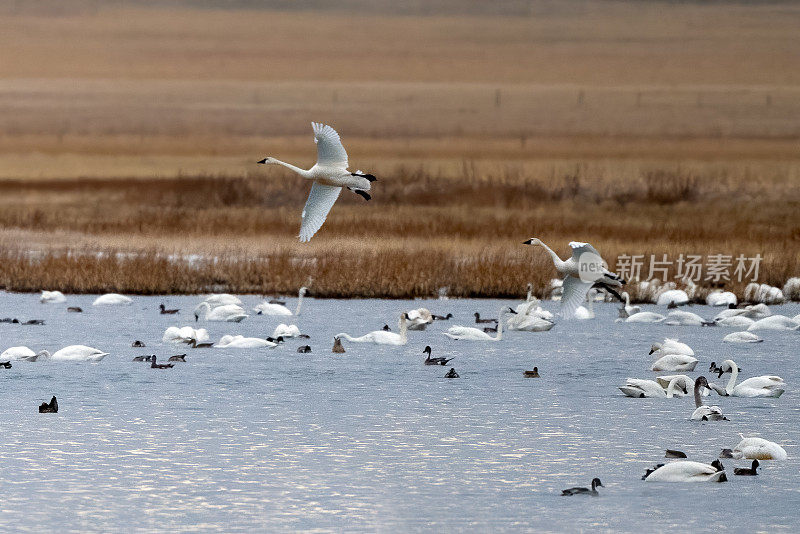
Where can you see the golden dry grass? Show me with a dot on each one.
(644, 128)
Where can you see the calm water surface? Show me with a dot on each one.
(373, 440)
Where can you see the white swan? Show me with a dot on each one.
(382, 337)
(757, 386)
(671, 346)
(736, 321)
(675, 363)
(24, 354)
(419, 319)
(630, 310)
(684, 318)
(185, 334)
(791, 289)
(687, 471)
(678, 296)
(286, 331)
(757, 449)
(222, 299)
(469, 333)
(742, 337)
(774, 322)
(640, 388)
(763, 293)
(645, 317)
(585, 262)
(529, 323)
(78, 353)
(703, 412)
(684, 386)
(721, 298)
(241, 342)
(52, 297)
(586, 310)
(229, 313)
(329, 174)
(112, 299)
(265, 308)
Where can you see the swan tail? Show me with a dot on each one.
(360, 174)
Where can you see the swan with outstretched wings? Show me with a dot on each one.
(329, 175)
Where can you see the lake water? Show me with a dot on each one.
(373, 440)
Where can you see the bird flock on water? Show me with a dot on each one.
(576, 289)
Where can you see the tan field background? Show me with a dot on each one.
(129, 135)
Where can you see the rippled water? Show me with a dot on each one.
(373, 439)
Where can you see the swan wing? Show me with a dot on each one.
(579, 248)
(574, 295)
(319, 203)
(330, 152)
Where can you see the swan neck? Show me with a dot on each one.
(671, 386)
(302, 172)
(530, 293)
(403, 329)
(299, 302)
(500, 314)
(556, 260)
(734, 377)
(697, 400)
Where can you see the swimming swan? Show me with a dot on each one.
(78, 353)
(24, 354)
(287, 330)
(687, 471)
(469, 333)
(645, 317)
(112, 299)
(671, 346)
(734, 321)
(231, 313)
(267, 308)
(241, 342)
(185, 334)
(742, 337)
(640, 388)
(757, 386)
(419, 319)
(703, 412)
(755, 449)
(774, 322)
(630, 310)
(575, 289)
(329, 174)
(684, 318)
(52, 297)
(721, 298)
(382, 337)
(675, 363)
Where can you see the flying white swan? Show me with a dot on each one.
(78, 353)
(742, 337)
(574, 287)
(112, 299)
(382, 337)
(721, 298)
(52, 297)
(687, 471)
(757, 386)
(229, 313)
(241, 342)
(24, 354)
(703, 412)
(774, 322)
(755, 449)
(469, 333)
(329, 174)
(684, 318)
(640, 388)
(185, 334)
(419, 319)
(645, 317)
(266, 308)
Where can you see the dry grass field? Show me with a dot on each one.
(128, 141)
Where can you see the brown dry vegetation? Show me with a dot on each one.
(644, 128)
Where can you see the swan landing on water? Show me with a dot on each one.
(330, 175)
(575, 288)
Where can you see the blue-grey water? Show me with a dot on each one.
(373, 440)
